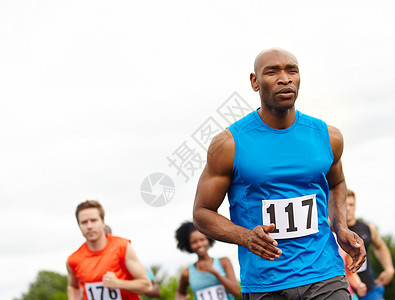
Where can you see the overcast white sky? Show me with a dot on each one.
(95, 95)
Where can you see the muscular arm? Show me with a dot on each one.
(139, 285)
(74, 291)
(348, 240)
(383, 254)
(212, 187)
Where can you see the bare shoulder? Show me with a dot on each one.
(225, 260)
(335, 134)
(336, 140)
(130, 253)
(372, 227)
(220, 154)
(228, 268)
(226, 263)
(373, 231)
(222, 142)
(185, 274)
(71, 279)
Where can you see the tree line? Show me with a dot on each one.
(50, 285)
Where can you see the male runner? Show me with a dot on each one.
(105, 267)
(370, 236)
(155, 290)
(282, 172)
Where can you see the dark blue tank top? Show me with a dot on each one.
(366, 271)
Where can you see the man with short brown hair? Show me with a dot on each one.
(105, 266)
(89, 204)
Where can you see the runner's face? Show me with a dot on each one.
(90, 223)
(350, 208)
(198, 242)
(277, 79)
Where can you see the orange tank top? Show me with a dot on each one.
(90, 266)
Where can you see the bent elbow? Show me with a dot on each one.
(236, 293)
(196, 219)
(236, 290)
(147, 286)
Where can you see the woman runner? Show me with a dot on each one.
(209, 278)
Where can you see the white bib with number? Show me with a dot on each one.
(96, 291)
(216, 292)
(295, 217)
(364, 267)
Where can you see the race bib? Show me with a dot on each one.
(216, 292)
(96, 291)
(364, 266)
(295, 217)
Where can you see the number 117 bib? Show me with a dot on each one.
(294, 217)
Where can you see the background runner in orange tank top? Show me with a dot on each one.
(105, 267)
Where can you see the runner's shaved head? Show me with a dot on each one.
(262, 57)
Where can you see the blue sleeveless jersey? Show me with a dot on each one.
(201, 280)
(271, 164)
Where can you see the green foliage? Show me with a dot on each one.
(48, 286)
(160, 277)
(389, 289)
(168, 291)
(53, 286)
(167, 284)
